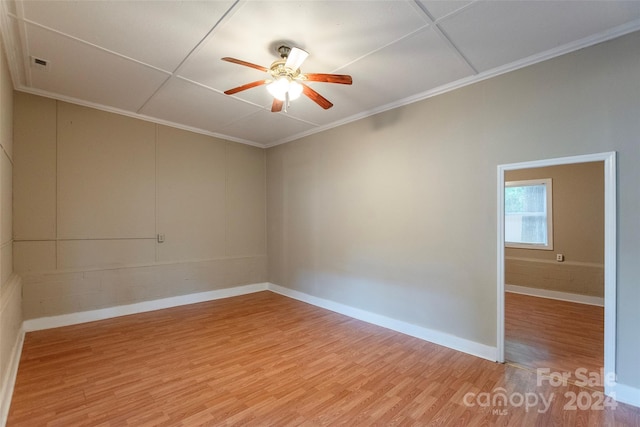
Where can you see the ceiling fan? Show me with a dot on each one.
(287, 82)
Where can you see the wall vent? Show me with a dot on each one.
(39, 63)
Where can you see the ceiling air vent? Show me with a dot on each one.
(39, 63)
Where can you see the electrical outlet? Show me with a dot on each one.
(559, 257)
(160, 238)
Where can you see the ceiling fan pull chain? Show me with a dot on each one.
(287, 100)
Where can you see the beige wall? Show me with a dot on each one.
(92, 189)
(578, 233)
(10, 287)
(397, 213)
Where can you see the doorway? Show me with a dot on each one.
(609, 248)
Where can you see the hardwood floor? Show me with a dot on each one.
(559, 335)
(264, 359)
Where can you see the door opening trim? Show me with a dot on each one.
(610, 230)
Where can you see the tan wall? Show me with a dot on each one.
(92, 189)
(578, 233)
(10, 286)
(397, 213)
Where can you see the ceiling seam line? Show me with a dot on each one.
(202, 85)
(162, 85)
(219, 92)
(175, 71)
(457, 11)
(417, 30)
(445, 37)
(206, 37)
(86, 43)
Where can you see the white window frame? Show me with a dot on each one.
(547, 182)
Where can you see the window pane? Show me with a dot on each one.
(526, 214)
(534, 229)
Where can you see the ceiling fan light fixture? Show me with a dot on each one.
(295, 90)
(286, 82)
(281, 86)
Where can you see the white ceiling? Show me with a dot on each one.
(160, 60)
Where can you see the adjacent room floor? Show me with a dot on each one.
(559, 335)
(265, 359)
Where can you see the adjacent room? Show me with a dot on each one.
(554, 306)
(396, 212)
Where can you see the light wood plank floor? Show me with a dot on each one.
(559, 335)
(264, 359)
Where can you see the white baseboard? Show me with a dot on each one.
(562, 296)
(141, 307)
(436, 337)
(625, 394)
(6, 391)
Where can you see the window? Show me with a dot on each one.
(528, 214)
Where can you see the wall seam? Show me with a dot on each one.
(155, 212)
(266, 201)
(226, 199)
(57, 184)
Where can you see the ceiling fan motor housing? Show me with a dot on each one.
(284, 51)
(278, 70)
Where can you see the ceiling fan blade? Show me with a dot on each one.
(316, 97)
(244, 87)
(296, 58)
(277, 105)
(329, 78)
(245, 63)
